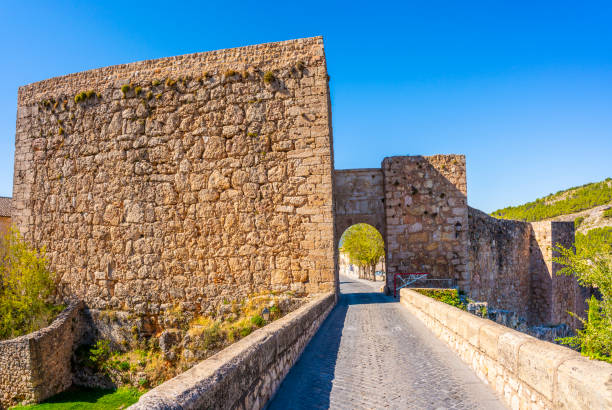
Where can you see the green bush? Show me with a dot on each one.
(26, 288)
(592, 268)
(607, 213)
(258, 321)
(99, 354)
(448, 296)
(578, 221)
(564, 202)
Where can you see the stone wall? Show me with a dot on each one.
(526, 372)
(552, 296)
(511, 268)
(181, 181)
(360, 198)
(426, 216)
(36, 366)
(247, 374)
(500, 262)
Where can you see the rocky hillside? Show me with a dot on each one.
(589, 205)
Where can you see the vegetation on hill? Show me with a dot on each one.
(594, 241)
(561, 203)
(364, 246)
(26, 288)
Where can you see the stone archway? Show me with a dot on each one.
(360, 198)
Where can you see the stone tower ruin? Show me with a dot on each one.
(183, 180)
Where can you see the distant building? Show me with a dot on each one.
(5, 214)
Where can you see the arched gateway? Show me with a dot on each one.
(419, 205)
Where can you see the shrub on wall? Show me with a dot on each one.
(592, 268)
(448, 296)
(26, 287)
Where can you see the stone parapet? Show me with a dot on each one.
(526, 372)
(247, 373)
(36, 366)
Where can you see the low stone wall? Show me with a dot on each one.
(528, 373)
(36, 366)
(247, 373)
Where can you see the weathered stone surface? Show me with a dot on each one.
(511, 268)
(425, 204)
(36, 366)
(181, 181)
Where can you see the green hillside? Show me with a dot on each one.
(595, 240)
(563, 202)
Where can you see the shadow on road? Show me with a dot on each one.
(309, 383)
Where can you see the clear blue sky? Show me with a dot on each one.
(524, 89)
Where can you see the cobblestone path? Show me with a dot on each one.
(371, 353)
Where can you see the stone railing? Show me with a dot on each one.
(247, 373)
(527, 372)
(36, 366)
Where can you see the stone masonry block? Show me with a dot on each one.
(583, 384)
(538, 362)
(508, 346)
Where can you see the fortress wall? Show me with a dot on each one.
(208, 178)
(552, 296)
(359, 198)
(511, 268)
(499, 262)
(426, 216)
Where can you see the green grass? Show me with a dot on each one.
(580, 198)
(89, 399)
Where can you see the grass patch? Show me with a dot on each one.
(268, 77)
(448, 296)
(81, 398)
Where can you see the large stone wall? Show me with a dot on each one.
(426, 216)
(36, 366)
(552, 296)
(499, 254)
(511, 268)
(183, 180)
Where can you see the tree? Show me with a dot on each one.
(364, 246)
(26, 287)
(592, 267)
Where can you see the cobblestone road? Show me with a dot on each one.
(371, 353)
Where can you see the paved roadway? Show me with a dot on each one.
(371, 353)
